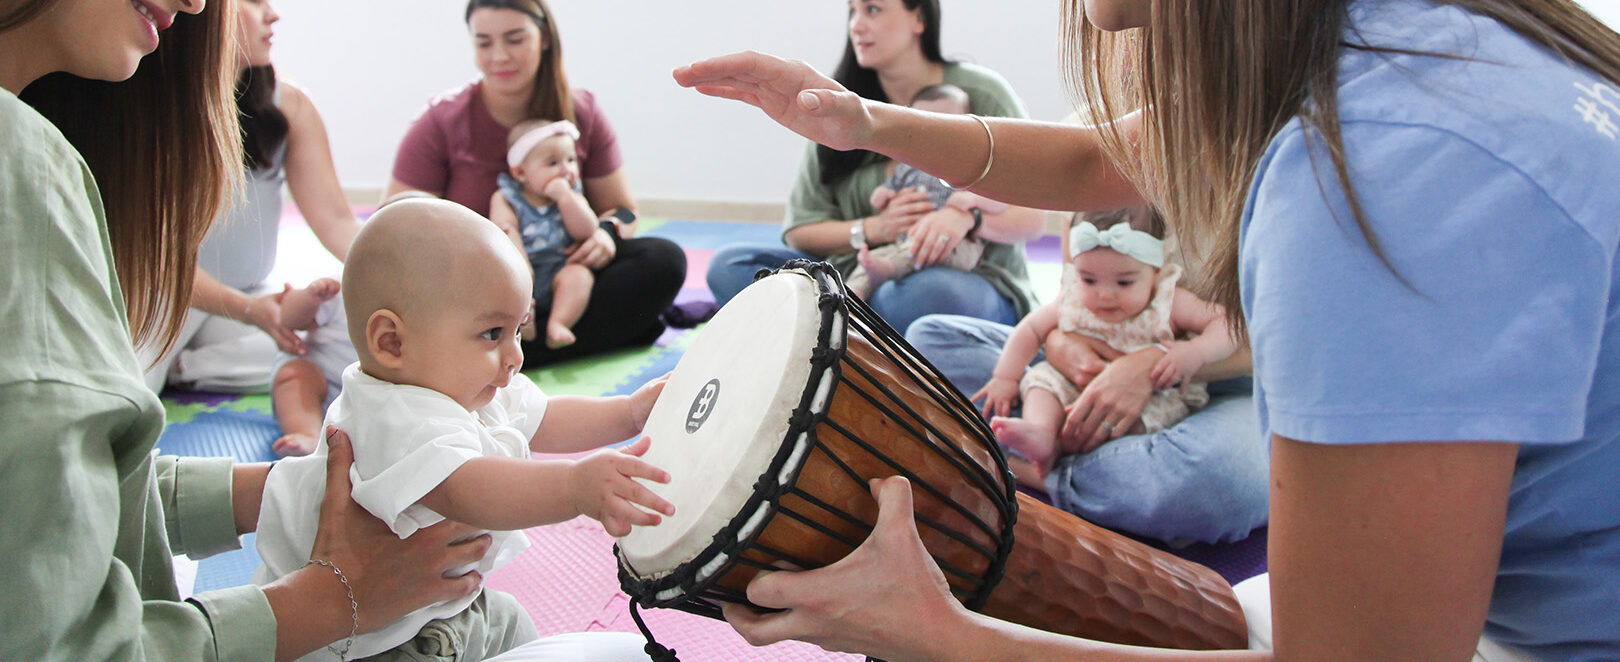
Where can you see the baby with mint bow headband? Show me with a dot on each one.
(1127, 298)
(1141, 246)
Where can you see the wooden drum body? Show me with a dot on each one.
(796, 395)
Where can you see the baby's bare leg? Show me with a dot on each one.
(886, 263)
(1034, 435)
(299, 306)
(298, 391)
(570, 292)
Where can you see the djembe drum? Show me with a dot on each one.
(793, 397)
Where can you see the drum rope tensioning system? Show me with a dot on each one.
(792, 398)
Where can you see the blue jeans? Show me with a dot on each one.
(1203, 480)
(900, 302)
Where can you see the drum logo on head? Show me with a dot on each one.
(702, 406)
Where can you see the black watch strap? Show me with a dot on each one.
(978, 221)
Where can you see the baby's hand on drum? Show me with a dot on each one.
(1000, 394)
(642, 401)
(604, 488)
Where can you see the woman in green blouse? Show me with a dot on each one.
(892, 51)
(106, 191)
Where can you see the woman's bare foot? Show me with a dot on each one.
(295, 443)
(558, 335)
(1029, 439)
(298, 307)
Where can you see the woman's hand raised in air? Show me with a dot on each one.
(789, 91)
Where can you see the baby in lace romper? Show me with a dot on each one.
(1117, 290)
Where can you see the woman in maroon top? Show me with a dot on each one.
(457, 148)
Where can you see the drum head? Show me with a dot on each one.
(724, 414)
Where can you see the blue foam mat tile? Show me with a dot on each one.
(245, 436)
(708, 235)
(233, 568)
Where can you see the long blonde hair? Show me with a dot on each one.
(166, 151)
(1217, 79)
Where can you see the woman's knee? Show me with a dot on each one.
(941, 291)
(660, 260)
(732, 268)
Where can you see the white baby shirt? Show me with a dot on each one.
(406, 440)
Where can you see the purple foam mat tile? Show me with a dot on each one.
(568, 580)
(690, 294)
(1048, 248)
(1234, 561)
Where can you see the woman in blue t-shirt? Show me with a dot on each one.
(1424, 197)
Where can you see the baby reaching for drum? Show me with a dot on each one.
(1117, 290)
(440, 420)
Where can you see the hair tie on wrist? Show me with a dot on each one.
(354, 607)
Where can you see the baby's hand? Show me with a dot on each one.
(559, 188)
(603, 488)
(999, 394)
(881, 197)
(642, 401)
(1178, 365)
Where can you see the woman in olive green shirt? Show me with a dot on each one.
(91, 516)
(891, 52)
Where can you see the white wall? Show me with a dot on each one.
(371, 64)
(370, 74)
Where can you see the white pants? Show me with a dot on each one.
(579, 647)
(213, 353)
(1254, 595)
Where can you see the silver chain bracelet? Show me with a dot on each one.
(354, 608)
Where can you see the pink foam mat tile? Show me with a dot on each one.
(568, 581)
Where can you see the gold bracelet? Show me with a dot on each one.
(988, 161)
(354, 607)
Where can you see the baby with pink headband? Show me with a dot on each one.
(539, 204)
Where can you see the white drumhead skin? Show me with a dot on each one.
(757, 350)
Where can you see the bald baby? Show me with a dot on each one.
(421, 271)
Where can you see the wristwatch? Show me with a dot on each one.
(857, 234)
(978, 221)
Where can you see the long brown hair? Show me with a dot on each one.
(264, 126)
(165, 149)
(552, 99)
(1217, 79)
(837, 165)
